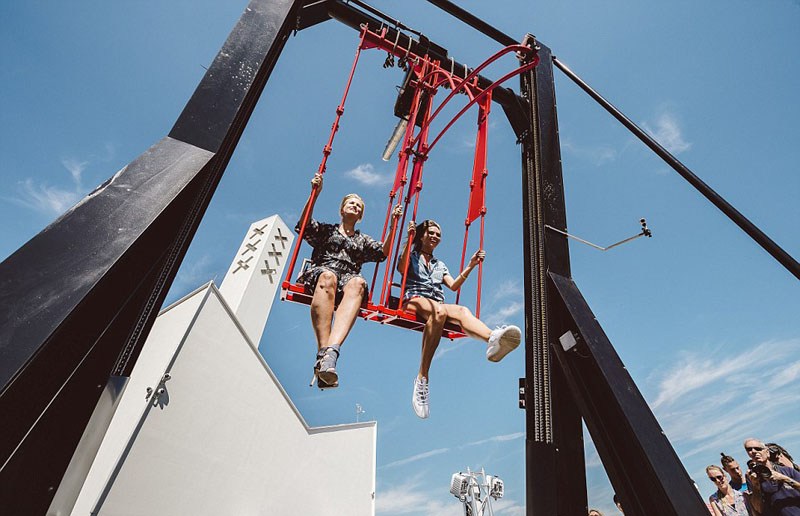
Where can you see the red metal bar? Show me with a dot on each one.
(477, 186)
(478, 181)
(323, 164)
(480, 275)
(383, 236)
(483, 137)
(474, 74)
(463, 258)
(498, 82)
(419, 161)
(403, 166)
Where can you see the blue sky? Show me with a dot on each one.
(706, 322)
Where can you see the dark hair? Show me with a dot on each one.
(422, 228)
(726, 459)
(777, 449)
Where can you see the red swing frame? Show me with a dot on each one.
(427, 76)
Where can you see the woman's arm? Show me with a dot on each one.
(455, 283)
(316, 182)
(387, 244)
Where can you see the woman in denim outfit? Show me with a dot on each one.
(424, 296)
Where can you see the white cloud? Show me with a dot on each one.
(506, 507)
(75, 168)
(503, 314)
(498, 439)
(507, 288)
(597, 155)
(443, 350)
(412, 497)
(668, 133)
(46, 199)
(366, 175)
(698, 371)
(785, 376)
(708, 405)
(193, 274)
(416, 457)
(52, 200)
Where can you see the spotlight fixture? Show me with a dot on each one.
(476, 491)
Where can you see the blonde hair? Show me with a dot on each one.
(714, 466)
(352, 196)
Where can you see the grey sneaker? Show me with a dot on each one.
(420, 398)
(503, 341)
(325, 368)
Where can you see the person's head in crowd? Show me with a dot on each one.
(618, 503)
(595, 512)
(717, 476)
(779, 455)
(756, 450)
(731, 467)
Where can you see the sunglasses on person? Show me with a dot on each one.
(753, 448)
(716, 478)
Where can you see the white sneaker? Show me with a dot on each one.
(420, 398)
(503, 341)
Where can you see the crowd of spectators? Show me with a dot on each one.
(769, 487)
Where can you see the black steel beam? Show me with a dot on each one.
(474, 22)
(717, 200)
(352, 17)
(555, 467)
(641, 464)
(77, 300)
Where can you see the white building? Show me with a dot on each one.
(203, 426)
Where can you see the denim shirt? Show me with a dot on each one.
(425, 280)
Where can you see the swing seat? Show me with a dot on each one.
(391, 315)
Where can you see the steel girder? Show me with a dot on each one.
(77, 300)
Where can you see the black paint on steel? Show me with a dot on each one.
(394, 22)
(474, 22)
(717, 200)
(353, 17)
(77, 300)
(555, 468)
(641, 464)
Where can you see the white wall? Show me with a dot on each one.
(223, 438)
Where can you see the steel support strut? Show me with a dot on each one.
(639, 460)
(77, 300)
(555, 469)
(713, 197)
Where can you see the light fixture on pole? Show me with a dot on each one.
(476, 491)
(397, 135)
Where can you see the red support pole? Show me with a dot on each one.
(483, 136)
(416, 179)
(403, 166)
(498, 82)
(463, 257)
(323, 164)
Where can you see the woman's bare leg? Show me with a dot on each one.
(322, 304)
(435, 317)
(471, 325)
(346, 313)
